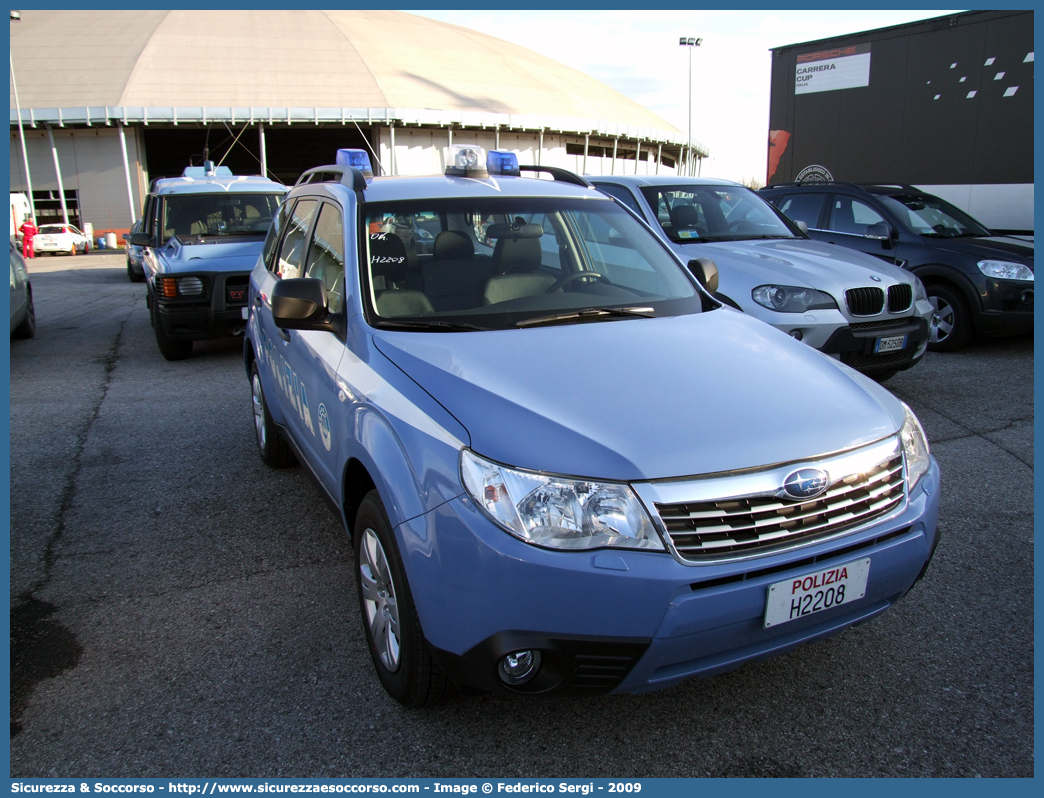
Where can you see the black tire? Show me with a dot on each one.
(951, 326)
(274, 451)
(27, 329)
(132, 275)
(170, 348)
(393, 632)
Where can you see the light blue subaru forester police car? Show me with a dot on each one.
(565, 467)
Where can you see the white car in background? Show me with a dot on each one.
(64, 238)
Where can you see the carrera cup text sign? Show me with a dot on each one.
(834, 69)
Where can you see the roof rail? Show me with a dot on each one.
(334, 173)
(562, 175)
(814, 183)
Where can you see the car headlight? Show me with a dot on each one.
(1005, 270)
(918, 288)
(558, 512)
(791, 298)
(915, 449)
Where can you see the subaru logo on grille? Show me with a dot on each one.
(806, 483)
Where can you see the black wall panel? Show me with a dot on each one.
(915, 122)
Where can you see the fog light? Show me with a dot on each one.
(1027, 297)
(796, 335)
(519, 667)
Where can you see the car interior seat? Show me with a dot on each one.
(389, 268)
(454, 278)
(516, 263)
(326, 265)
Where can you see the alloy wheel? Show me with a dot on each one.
(259, 411)
(380, 600)
(942, 320)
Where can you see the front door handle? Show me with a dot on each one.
(257, 299)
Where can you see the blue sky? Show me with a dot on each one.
(637, 53)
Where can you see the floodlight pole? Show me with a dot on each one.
(690, 42)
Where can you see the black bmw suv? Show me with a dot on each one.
(978, 282)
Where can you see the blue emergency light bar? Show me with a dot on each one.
(502, 163)
(357, 158)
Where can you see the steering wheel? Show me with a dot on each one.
(735, 225)
(601, 278)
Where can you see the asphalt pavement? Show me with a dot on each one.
(180, 610)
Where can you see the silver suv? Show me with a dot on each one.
(869, 314)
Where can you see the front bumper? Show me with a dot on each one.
(614, 620)
(215, 313)
(1007, 306)
(852, 342)
(855, 344)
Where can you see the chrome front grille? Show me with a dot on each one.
(864, 301)
(748, 525)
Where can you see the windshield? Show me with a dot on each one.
(714, 213)
(54, 229)
(500, 263)
(187, 215)
(931, 216)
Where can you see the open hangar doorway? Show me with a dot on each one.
(289, 150)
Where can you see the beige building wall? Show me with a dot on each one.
(420, 151)
(92, 164)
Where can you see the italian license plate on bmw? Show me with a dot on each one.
(817, 591)
(892, 344)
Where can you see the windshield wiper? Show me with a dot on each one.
(445, 326)
(747, 238)
(586, 314)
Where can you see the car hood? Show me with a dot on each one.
(235, 256)
(997, 247)
(641, 399)
(744, 265)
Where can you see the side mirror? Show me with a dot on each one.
(139, 239)
(882, 231)
(706, 273)
(298, 303)
(802, 227)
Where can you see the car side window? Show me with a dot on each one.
(851, 216)
(278, 223)
(622, 194)
(326, 255)
(291, 253)
(802, 208)
(148, 217)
